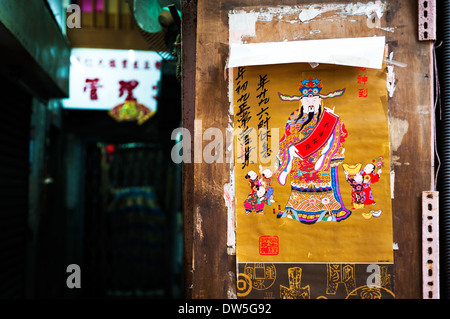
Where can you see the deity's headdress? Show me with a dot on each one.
(310, 87)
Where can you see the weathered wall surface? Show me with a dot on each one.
(208, 188)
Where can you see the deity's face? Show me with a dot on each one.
(311, 104)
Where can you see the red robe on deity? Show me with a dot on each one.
(319, 148)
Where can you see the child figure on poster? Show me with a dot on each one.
(251, 203)
(265, 180)
(355, 179)
(369, 178)
(258, 192)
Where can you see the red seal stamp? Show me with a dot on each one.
(269, 245)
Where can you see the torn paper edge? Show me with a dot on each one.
(229, 197)
(229, 188)
(240, 25)
(302, 14)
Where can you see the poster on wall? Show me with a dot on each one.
(312, 182)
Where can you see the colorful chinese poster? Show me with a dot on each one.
(312, 182)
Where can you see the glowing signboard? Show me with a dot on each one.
(102, 79)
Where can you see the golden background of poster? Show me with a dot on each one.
(356, 239)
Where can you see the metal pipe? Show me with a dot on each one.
(443, 141)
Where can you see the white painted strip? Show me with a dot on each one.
(359, 52)
(430, 245)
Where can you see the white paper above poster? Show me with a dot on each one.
(365, 52)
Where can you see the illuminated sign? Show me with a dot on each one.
(102, 79)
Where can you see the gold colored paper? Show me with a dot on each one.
(265, 97)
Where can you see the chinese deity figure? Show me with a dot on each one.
(311, 150)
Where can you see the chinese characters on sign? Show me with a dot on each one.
(128, 86)
(102, 79)
(243, 116)
(117, 63)
(362, 79)
(263, 116)
(248, 135)
(92, 85)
